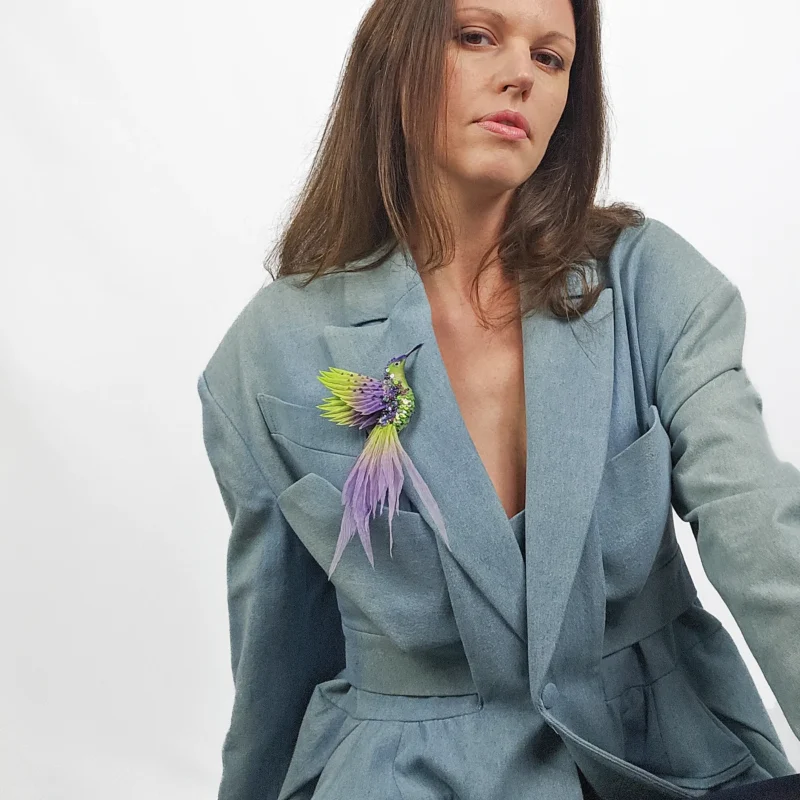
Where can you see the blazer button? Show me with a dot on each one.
(549, 695)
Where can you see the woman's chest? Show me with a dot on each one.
(485, 372)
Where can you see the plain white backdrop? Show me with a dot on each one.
(148, 152)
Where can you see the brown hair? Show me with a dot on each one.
(369, 180)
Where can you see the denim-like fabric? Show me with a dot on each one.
(785, 788)
(483, 672)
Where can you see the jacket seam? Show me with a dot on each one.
(660, 725)
(674, 667)
(313, 449)
(394, 761)
(238, 433)
(697, 305)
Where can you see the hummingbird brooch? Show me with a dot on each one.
(387, 405)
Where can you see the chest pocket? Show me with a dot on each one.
(404, 597)
(658, 636)
(633, 511)
(305, 426)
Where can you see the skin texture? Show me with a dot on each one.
(493, 66)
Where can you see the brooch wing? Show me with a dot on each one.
(357, 399)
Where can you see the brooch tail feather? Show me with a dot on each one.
(377, 477)
(424, 493)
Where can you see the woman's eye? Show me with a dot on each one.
(474, 33)
(558, 65)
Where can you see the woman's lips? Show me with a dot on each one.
(506, 131)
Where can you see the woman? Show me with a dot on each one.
(527, 627)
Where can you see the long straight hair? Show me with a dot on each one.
(373, 173)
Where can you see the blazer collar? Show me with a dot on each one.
(568, 379)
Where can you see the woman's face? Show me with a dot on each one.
(522, 64)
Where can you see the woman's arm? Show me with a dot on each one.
(742, 502)
(285, 627)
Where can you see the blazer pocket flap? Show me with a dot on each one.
(305, 426)
(312, 499)
(634, 507)
(404, 597)
(313, 507)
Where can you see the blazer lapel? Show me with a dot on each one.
(569, 370)
(568, 380)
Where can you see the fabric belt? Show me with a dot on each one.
(668, 592)
(376, 664)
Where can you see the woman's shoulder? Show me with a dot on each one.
(659, 277)
(274, 333)
(283, 308)
(653, 263)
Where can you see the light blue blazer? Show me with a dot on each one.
(483, 673)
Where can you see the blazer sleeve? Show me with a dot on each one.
(285, 631)
(742, 502)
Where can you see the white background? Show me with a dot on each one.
(148, 151)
